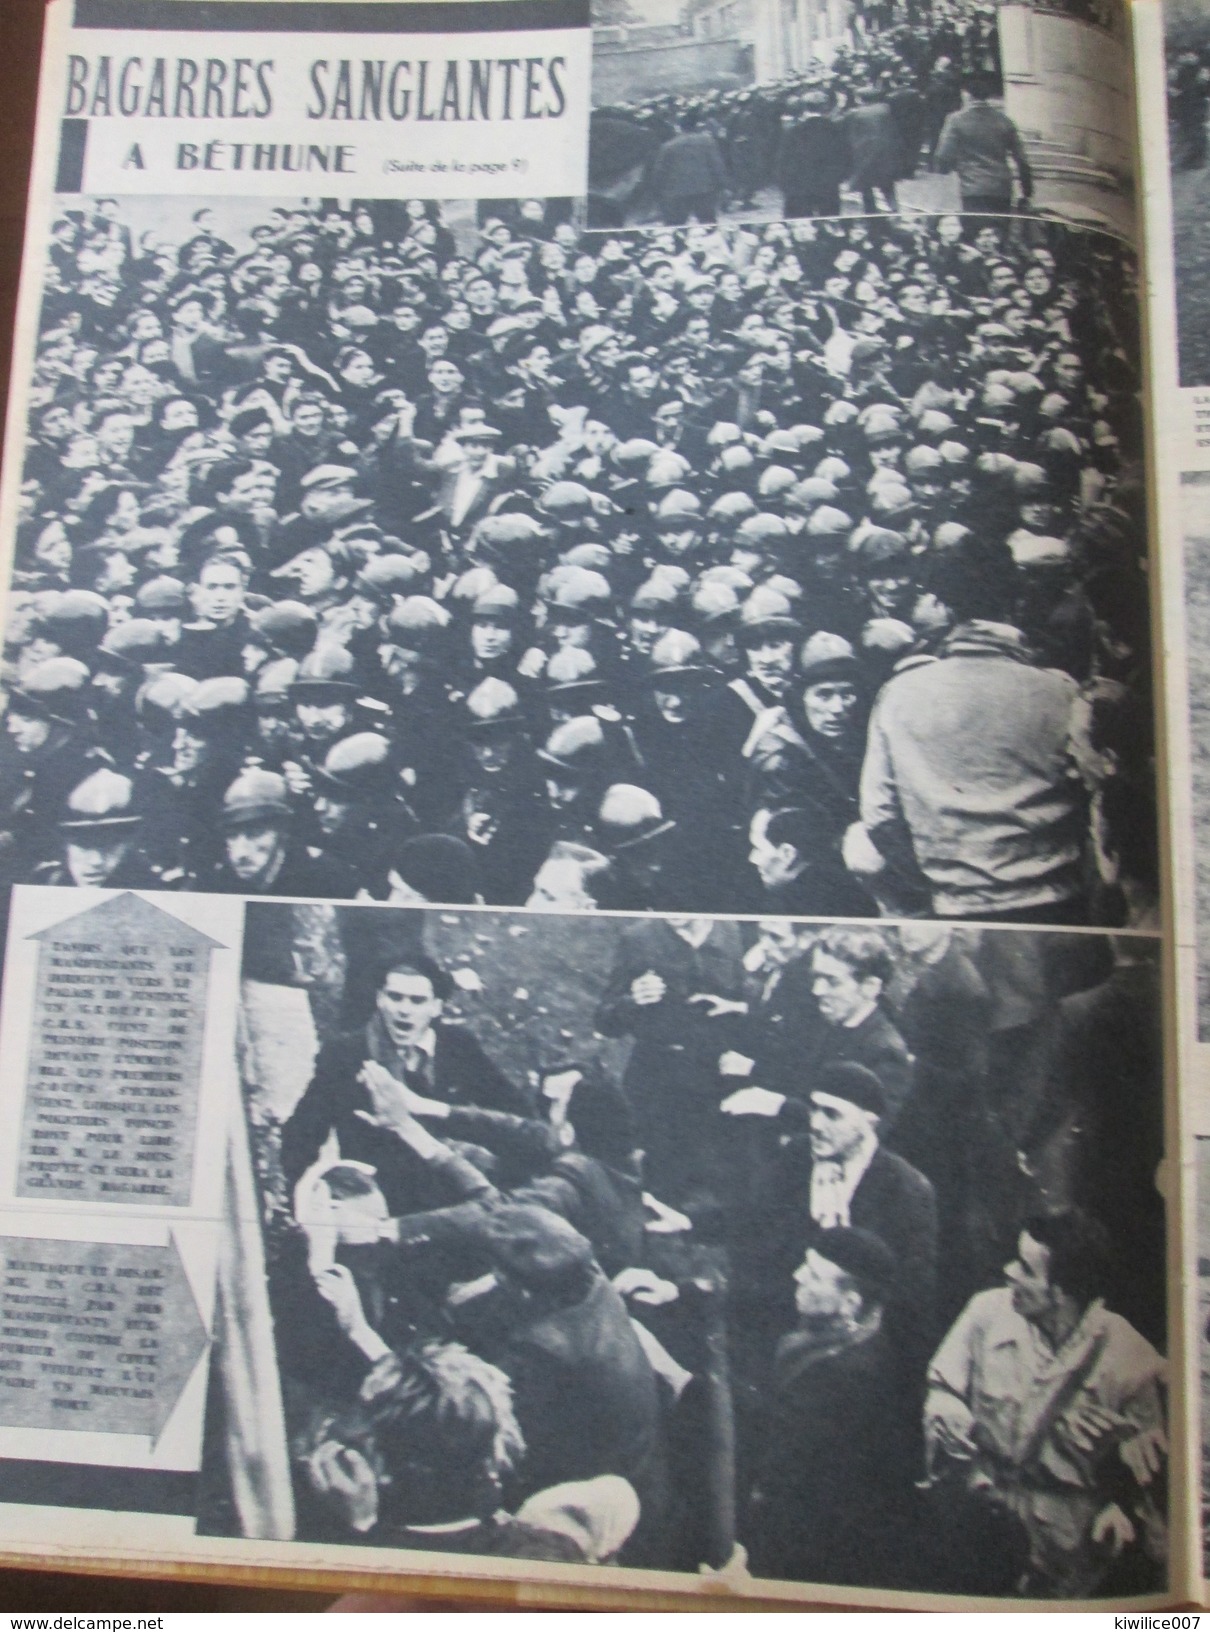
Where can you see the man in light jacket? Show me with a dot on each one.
(969, 775)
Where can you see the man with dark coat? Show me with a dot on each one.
(834, 1463)
(676, 987)
(877, 154)
(813, 159)
(262, 854)
(839, 1175)
(408, 1039)
(688, 174)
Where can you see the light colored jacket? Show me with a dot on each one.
(971, 754)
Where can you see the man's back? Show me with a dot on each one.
(972, 753)
(687, 165)
(977, 143)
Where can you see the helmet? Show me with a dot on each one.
(577, 745)
(493, 704)
(572, 669)
(630, 816)
(101, 803)
(497, 604)
(674, 654)
(327, 671)
(385, 576)
(130, 645)
(358, 767)
(256, 797)
(216, 707)
(287, 628)
(55, 690)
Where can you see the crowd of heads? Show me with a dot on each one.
(369, 557)
(931, 52)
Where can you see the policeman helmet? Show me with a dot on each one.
(497, 604)
(358, 767)
(55, 690)
(731, 507)
(101, 803)
(257, 798)
(163, 597)
(775, 480)
(577, 745)
(676, 655)
(677, 511)
(128, 646)
(326, 672)
(287, 628)
(493, 706)
(630, 816)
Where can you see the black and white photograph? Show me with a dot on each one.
(829, 1251)
(1187, 50)
(1195, 501)
(379, 553)
(707, 110)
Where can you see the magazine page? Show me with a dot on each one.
(1170, 57)
(582, 983)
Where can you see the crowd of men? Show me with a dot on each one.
(851, 1268)
(886, 104)
(1188, 94)
(794, 569)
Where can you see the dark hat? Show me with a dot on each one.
(856, 1084)
(438, 867)
(863, 1256)
(74, 618)
(533, 1245)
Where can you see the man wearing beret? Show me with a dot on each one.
(837, 1175)
(834, 1462)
